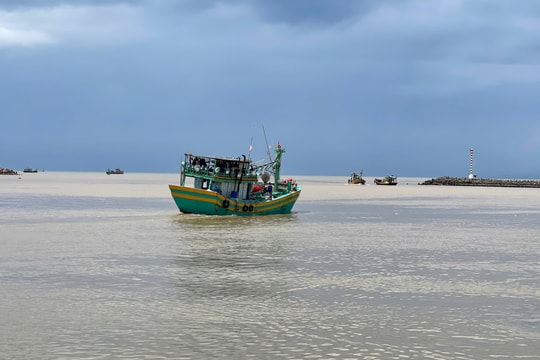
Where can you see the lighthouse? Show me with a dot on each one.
(471, 173)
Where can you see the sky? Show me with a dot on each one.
(402, 87)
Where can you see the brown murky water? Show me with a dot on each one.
(97, 267)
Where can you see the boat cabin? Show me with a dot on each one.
(231, 177)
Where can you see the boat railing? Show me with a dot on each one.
(212, 172)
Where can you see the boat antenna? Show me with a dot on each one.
(267, 146)
(250, 148)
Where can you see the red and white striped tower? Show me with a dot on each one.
(471, 174)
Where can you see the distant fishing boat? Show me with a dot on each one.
(356, 179)
(6, 171)
(30, 170)
(234, 186)
(388, 180)
(114, 172)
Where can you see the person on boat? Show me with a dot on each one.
(203, 162)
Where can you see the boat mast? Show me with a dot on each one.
(277, 164)
(267, 146)
(241, 169)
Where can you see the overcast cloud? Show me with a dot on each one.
(403, 87)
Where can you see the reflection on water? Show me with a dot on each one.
(207, 222)
(229, 256)
(395, 276)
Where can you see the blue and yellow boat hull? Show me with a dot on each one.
(208, 202)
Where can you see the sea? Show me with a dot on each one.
(96, 266)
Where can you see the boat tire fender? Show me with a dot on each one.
(250, 207)
(245, 208)
(225, 203)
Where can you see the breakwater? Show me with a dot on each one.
(455, 181)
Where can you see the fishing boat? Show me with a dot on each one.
(6, 171)
(356, 179)
(388, 180)
(234, 186)
(114, 172)
(30, 170)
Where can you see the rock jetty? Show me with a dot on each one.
(454, 181)
(6, 171)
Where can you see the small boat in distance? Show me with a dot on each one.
(234, 186)
(356, 178)
(114, 172)
(6, 171)
(30, 170)
(388, 180)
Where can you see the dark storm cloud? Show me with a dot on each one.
(310, 11)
